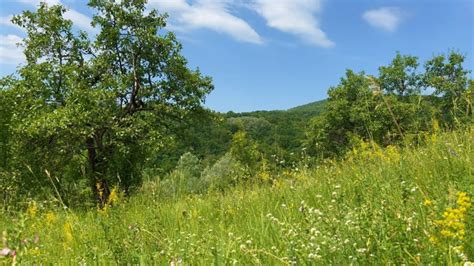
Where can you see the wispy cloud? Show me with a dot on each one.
(10, 53)
(80, 20)
(37, 2)
(385, 18)
(208, 14)
(6, 20)
(298, 17)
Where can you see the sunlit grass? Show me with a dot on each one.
(378, 206)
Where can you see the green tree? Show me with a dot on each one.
(401, 76)
(350, 111)
(392, 108)
(99, 105)
(401, 86)
(447, 76)
(245, 150)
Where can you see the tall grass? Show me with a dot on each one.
(379, 206)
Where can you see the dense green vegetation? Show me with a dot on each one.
(376, 207)
(108, 155)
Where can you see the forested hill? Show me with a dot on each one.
(284, 130)
(209, 134)
(313, 108)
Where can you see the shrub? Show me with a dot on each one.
(225, 173)
(185, 178)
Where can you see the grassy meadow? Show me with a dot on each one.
(110, 154)
(377, 206)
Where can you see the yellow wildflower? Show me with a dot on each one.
(264, 176)
(452, 226)
(32, 209)
(50, 217)
(113, 197)
(67, 228)
(427, 202)
(392, 154)
(447, 233)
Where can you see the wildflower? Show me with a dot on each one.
(50, 217)
(361, 250)
(265, 176)
(314, 256)
(392, 153)
(32, 209)
(453, 223)
(177, 261)
(113, 197)
(67, 228)
(463, 201)
(5, 252)
(427, 202)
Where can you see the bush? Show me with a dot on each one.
(225, 173)
(185, 178)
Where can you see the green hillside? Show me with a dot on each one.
(315, 108)
(282, 132)
(207, 134)
(376, 207)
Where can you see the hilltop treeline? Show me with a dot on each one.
(83, 115)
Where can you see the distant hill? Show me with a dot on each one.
(314, 107)
(281, 130)
(278, 132)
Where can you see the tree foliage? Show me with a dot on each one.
(395, 106)
(96, 108)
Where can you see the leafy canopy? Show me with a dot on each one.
(94, 108)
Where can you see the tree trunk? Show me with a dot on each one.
(99, 184)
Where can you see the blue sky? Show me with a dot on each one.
(277, 54)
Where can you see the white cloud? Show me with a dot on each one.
(80, 20)
(10, 53)
(208, 14)
(296, 17)
(6, 21)
(37, 2)
(385, 18)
